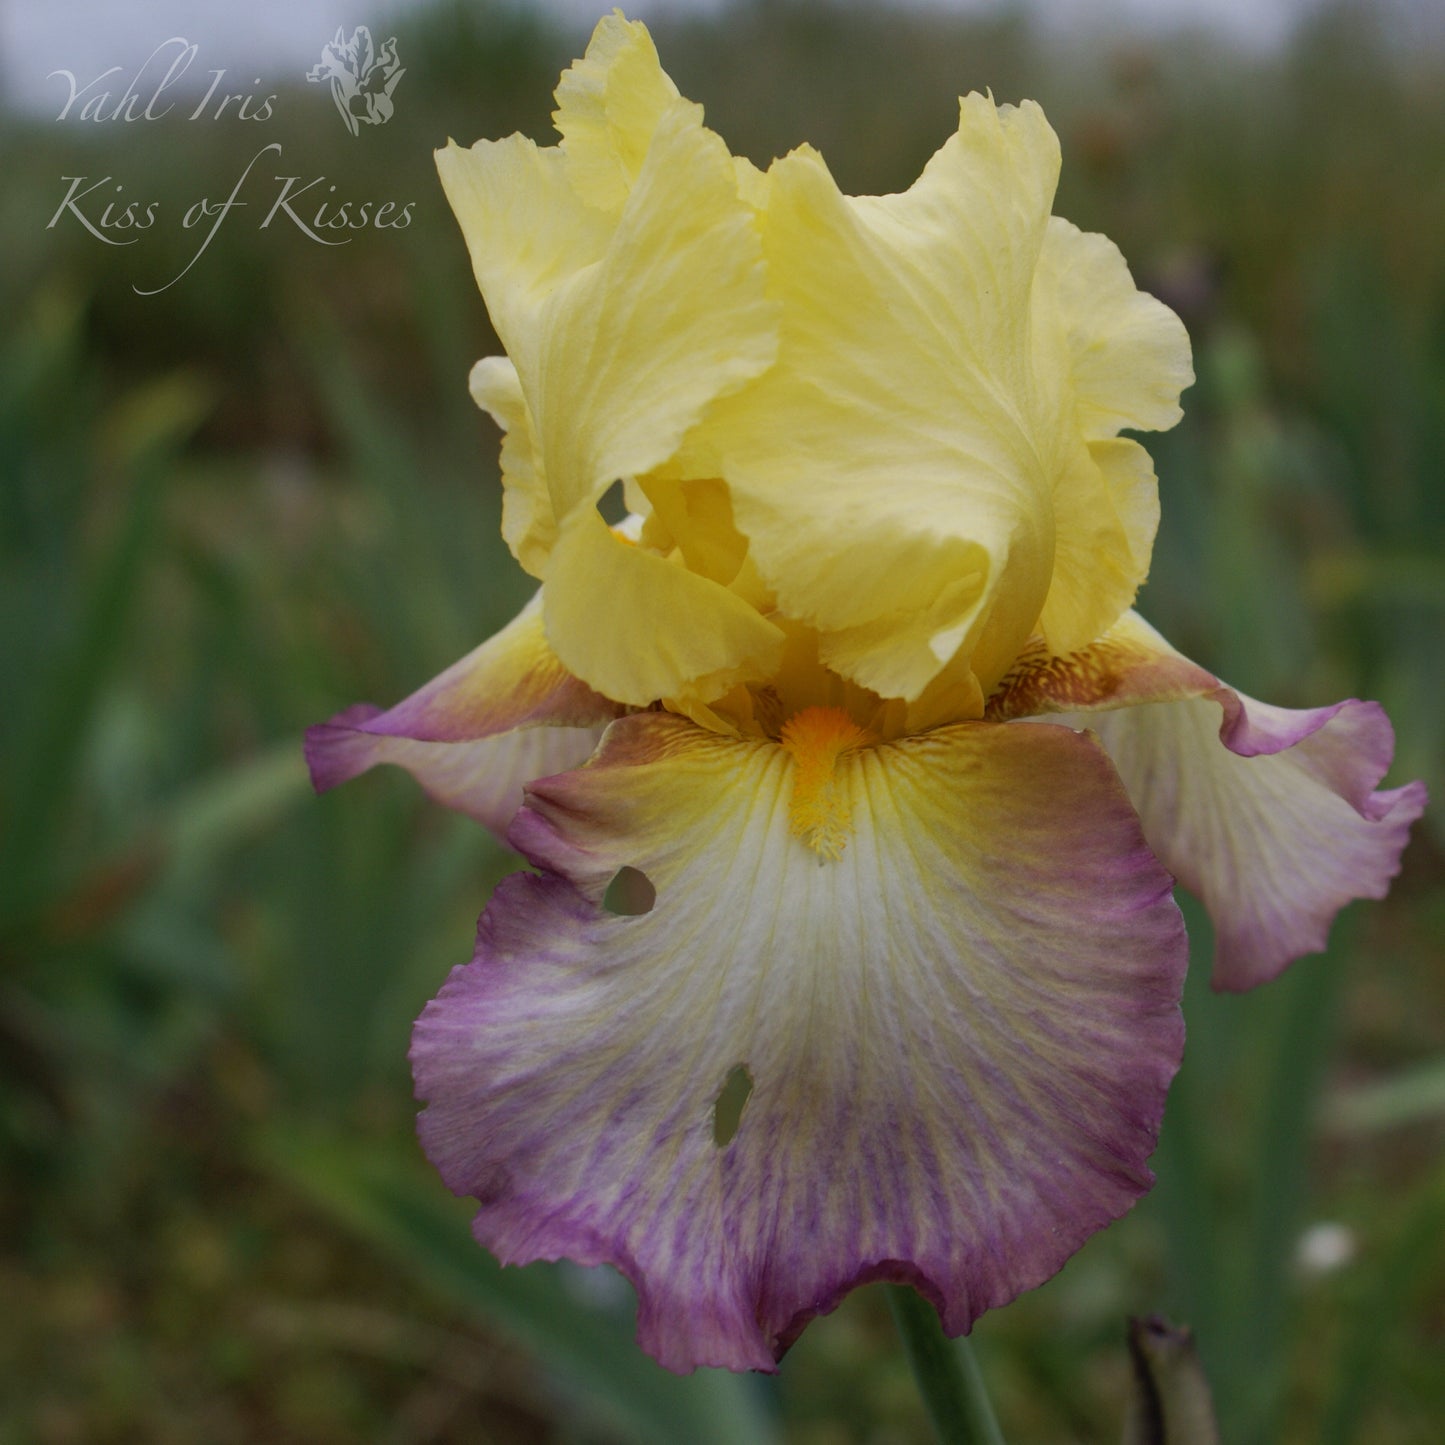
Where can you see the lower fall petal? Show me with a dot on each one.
(1277, 829)
(482, 778)
(1272, 816)
(467, 735)
(954, 1038)
(512, 680)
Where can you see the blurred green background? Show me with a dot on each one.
(230, 508)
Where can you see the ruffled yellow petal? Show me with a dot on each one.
(752, 183)
(617, 357)
(1128, 473)
(1109, 356)
(1106, 510)
(609, 104)
(1128, 354)
(697, 518)
(917, 462)
(529, 527)
(638, 627)
(673, 317)
(526, 229)
(888, 472)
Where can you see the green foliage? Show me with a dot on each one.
(388, 1203)
(230, 508)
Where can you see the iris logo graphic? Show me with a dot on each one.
(362, 77)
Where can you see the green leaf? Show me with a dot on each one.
(1378, 1321)
(233, 803)
(382, 1196)
(1415, 1095)
(143, 431)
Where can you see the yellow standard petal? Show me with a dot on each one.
(619, 339)
(1128, 354)
(1110, 356)
(609, 104)
(637, 626)
(529, 526)
(674, 315)
(622, 334)
(1106, 509)
(888, 472)
(526, 229)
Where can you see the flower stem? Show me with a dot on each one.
(946, 1371)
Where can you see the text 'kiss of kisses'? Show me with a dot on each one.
(100, 204)
(101, 208)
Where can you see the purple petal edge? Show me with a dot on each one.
(340, 749)
(483, 778)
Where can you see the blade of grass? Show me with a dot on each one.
(385, 1199)
(1305, 1006)
(1373, 1324)
(145, 432)
(1414, 1095)
(1185, 1193)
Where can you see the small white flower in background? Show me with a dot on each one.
(1325, 1247)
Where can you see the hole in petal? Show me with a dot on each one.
(727, 1112)
(613, 505)
(630, 893)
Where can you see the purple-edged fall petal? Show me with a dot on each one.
(958, 1032)
(483, 778)
(513, 680)
(448, 734)
(1271, 815)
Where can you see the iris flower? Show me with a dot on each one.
(855, 790)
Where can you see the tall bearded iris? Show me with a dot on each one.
(885, 537)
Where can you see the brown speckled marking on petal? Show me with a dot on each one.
(1130, 664)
